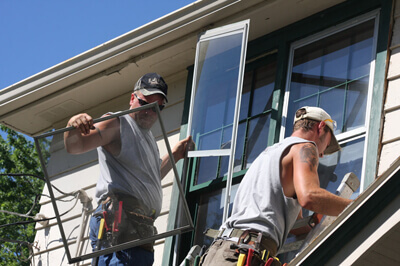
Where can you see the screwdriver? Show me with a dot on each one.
(241, 260)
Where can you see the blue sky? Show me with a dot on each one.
(38, 34)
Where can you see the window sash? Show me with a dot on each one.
(216, 34)
(360, 130)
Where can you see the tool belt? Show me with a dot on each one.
(251, 244)
(266, 243)
(126, 219)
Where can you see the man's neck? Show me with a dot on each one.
(307, 135)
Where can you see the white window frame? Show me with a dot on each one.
(355, 133)
(239, 27)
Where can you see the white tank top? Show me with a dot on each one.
(136, 170)
(260, 203)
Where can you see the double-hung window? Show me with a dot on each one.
(334, 70)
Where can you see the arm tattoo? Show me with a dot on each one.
(309, 155)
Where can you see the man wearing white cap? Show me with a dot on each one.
(280, 182)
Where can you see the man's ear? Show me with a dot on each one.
(132, 98)
(321, 125)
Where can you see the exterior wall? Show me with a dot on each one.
(81, 172)
(391, 126)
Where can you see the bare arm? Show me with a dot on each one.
(306, 183)
(87, 137)
(179, 152)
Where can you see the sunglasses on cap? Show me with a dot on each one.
(143, 102)
(334, 124)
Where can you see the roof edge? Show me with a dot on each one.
(353, 219)
(158, 27)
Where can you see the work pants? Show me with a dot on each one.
(220, 253)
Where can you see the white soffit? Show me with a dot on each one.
(106, 74)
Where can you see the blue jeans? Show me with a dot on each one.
(130, 256)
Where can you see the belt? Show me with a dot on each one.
(132, 204)
(266, 243)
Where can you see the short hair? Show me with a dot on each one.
(305, 123)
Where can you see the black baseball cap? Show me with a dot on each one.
(152, 83)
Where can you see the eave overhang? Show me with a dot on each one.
(101, 79)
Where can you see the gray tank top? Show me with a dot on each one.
(260, 203)
(136, 170)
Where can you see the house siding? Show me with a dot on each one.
(390, 144)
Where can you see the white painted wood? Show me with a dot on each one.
(393, 94)
(394, 64)
(390, 152)
(391, 129)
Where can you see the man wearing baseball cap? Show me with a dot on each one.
(280, 182)
(130, 170)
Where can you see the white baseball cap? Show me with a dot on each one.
(319, 114)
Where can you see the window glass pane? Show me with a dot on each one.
(333, 101)
(246, 92)
(237, 164)
(215, 95)
(206, 169)
(333, 73)
(263, 88)
(334, 167)
(210, 139)
(258, 87)
(355, 103)
(209, 214)
(258, 138)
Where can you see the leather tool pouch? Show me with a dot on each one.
(135, 226)
(135, 222)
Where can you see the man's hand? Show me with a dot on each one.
(182, 147)
(178, 152)
(87, 137)
(83, 122)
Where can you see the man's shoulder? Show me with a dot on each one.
(295, 144)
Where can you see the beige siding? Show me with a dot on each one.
(390, 149)
(71, 173)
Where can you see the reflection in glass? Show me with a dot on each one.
(356, 104)
(334, 167)
(206, 169)
(246, 93)
(210, 213)
(252, 136)
(237, 164)
(333, 73)
(257, 140)
(264, 83)
(216, 86)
